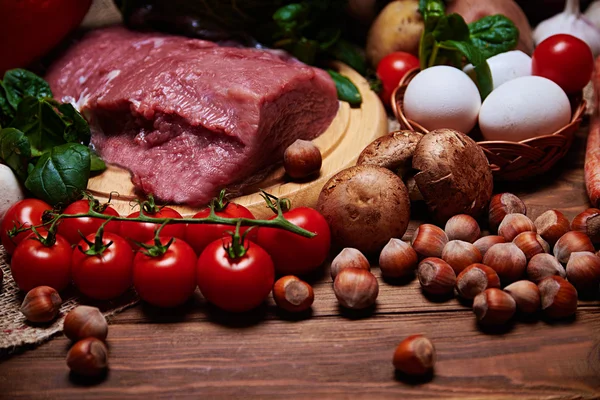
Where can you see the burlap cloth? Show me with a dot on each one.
(18, 334)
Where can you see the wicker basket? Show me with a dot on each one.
(508, 160)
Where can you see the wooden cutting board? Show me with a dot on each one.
(350, 131)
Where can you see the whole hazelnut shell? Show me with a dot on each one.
(483, 244)
(460, 255)
(349, 257)
(356, 288)
(494, 307)
(544, 265)
(415, 355)
(302, 159)
(513, 224)
(588, 222)
(571, 242)
(551, 225)
(531, 244)
(85, 321)
(429, 240)
(583, 271)
(292, 294)
(526, 295)
(559, 297)
(475, 279)
(462, 227)
(397, 259)
(507, 260)
(41, 304)
(501, 205)
(436, 276)
(88, 357)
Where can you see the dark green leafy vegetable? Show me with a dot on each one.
(97, 164)
(61, 174)
(493, 35)
(19, 84)
(346, 89)
(15, 150)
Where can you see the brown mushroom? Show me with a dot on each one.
(393, 151)
(365, 206)
(453, 176)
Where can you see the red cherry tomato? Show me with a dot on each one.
(70, 228)
(564, 59)
(293, 254)
(142, 232)
(391, 69)
(35, 264)
(106, 275)
(238, 284)
(201, 235)
(26, 212)
(168, 280)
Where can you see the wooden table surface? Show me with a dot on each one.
(198, 351)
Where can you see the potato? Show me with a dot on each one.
(365, 206)
(398, 27)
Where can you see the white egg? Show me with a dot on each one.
(523, 108)
(442, 97)
(505, 67)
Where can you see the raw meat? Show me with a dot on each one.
(188, 117)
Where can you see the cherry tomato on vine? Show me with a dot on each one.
(564, 59)
(293, 254)
(166, 280)
(69, 228)
(26, 212)
(201, 235)
(34, 263)
(235, 284)
(142, 232)
(391, 69)
(107, 271)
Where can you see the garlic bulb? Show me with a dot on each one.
(572, 22)
(593, 13)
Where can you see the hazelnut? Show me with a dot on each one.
(436, 276)
(429, 241)
(88, 357)
(415, 355)
(531, 244)
(460, 254)
(349, 257)
(397, 259)
(84, 321)
(494, 307)
(503, 204)
(551, 225)
(475, 279)
(583, 271)
(571, 242)
(513, 224)
(292, 294)
(526, 295)
(559, 297)
(483, 244)
(301, 159)
(462, 227)
(588, 222)
(507, 260)
(544, 265)
(356, 288)
(41, 304)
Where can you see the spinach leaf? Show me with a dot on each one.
(15, 150)
(97, 164)
(77, 129)
(431, 10)
(20, 83)
(60, 174)
(494, 34)
(451, 27)
(6, 112)
(347, 53)
(346, 89)
(475, 57)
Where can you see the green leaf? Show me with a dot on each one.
(494, 34)
(431, 10)
(77, 129)
(39, 121)
(451, 27)
(305, 50)
(6, 111)
(97, 164)
(475, 57)
(345, 89)
(426, 46)
(347, 53)
(20, 83)
(15, 150)
(60, 174)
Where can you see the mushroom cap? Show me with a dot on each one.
(454, 176)
(393, 151)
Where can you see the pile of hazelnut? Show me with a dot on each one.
(84, 325)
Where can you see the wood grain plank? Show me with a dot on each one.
(325, 357)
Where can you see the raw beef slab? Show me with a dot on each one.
(188, 117)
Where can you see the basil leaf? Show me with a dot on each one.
(20, 83)
(96, 163)
(345, 89)
(347, 53)
(60, 174)
(494, 34)
(431, 10)
(77, 129)
(15, 150)
(475, 57)
(288, 18)
(39, 121)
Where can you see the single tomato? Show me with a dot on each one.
(201, 235)
(72, 228)
(235, 284)
(166, 280)
(142, 232)
(564, 59)
(25, 213)
(106, 274)
(293, 254)
(34, 263)
(391, 69)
